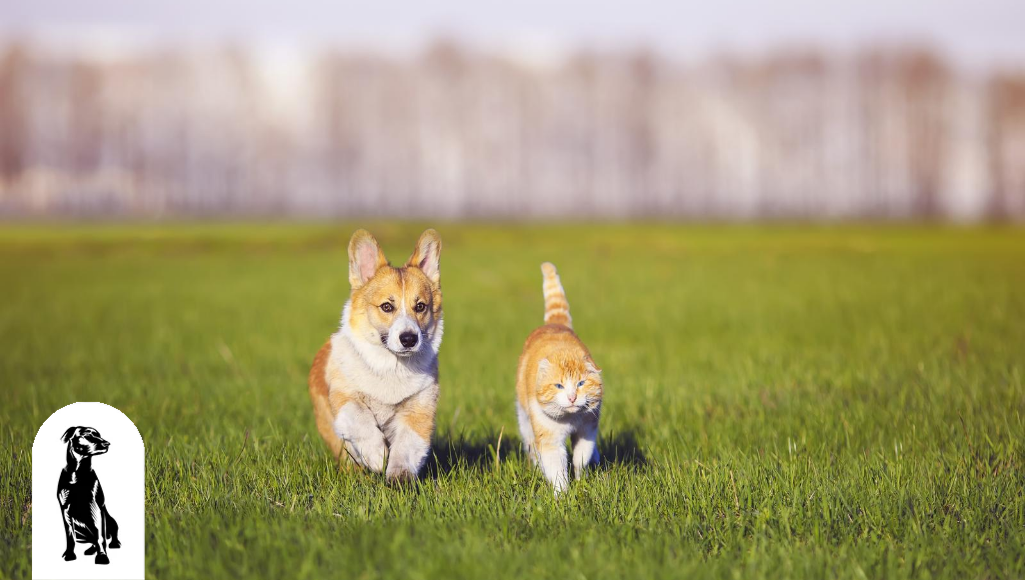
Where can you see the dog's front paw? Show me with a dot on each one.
(399, 475)
(406, 457)
(69, 555)
(370, 452)
(560, 486)
(404, 464)
(102, 559)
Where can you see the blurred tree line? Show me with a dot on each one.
(456, 133)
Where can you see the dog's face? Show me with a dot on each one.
(398, 309)
(85, 441)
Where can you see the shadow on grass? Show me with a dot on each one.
(448, 453)
(621, 448)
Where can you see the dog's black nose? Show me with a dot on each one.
(409, 339)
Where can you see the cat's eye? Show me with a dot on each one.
(420, 307)
(558, 385)
(387, 307)
(580, 384)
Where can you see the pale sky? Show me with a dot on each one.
(979, 32)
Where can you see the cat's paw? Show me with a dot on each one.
(91, 550)
(115, 544)
(102, 559)
(69, 555)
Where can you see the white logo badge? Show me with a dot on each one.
(88, 493)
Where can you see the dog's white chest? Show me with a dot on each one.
(390, 390)
(383, 380)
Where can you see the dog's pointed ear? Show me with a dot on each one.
(365, 258)
(69, 434)
(427, 255)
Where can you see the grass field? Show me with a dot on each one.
(780, 402)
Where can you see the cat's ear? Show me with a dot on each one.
(543, 366)
(427, 255)
(590, 366)
(365, 258)
(69, 434)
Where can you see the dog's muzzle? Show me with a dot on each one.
(404, 337)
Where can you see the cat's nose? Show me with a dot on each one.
(409, 339)
(572, 397)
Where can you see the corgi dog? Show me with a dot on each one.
(558, 391)
(374, 383)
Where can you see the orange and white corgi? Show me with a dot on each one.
(558, 391)
(374, 384)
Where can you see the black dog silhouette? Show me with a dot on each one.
(86, 519)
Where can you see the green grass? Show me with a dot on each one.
(780, 402)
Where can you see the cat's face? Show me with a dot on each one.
(568, 385)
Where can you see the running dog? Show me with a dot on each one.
(374, 384)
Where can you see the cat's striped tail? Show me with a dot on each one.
(556, 305)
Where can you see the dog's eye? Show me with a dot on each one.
(558, 385)
(387, 307)
(420, 307)
(580, 384)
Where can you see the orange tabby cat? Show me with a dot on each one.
(558, 390)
